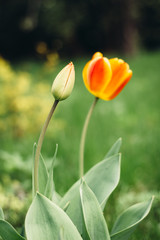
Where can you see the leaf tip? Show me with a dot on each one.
(83, 183)
(56, 146)
(152, 199)
(37, 194)
(119, 139)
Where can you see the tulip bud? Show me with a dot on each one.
(64, 83)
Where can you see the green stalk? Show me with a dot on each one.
(83, 137)
(39, 145)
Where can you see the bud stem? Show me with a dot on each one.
(83, 137)
(39, 145)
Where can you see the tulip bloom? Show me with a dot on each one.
(105, 78)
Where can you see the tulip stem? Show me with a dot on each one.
(39, 145)
(83, 137)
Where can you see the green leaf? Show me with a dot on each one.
(1, 214)
(45, 220)
(102, 179)
(42, 173)
(115, 148)
(61, 234)
(33, 159)
(50, 185)
(66, 206)
(129, 219)
(56, 198)
(7, 232)
(93, 216)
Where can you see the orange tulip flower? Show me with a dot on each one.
(105, 78)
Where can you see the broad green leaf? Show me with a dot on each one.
(1, 214)
(50, 185)
(45, 220)
(102, 179)
(115, 148)
(129, 219)
(7, 232)
(93, 216)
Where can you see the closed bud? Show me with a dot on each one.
(64, 83)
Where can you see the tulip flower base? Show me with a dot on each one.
(79, 213)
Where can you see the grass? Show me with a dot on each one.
(133, 115)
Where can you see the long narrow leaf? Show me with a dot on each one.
(129, 219)
(42, 173)
(33, 157)
(93, 216)
(50, 185)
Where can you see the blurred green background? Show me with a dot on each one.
(37, 39)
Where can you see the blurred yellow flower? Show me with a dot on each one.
(6, 73)
(24, 102)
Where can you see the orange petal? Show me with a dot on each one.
(85, 75)
(121, 74)
(87, 69)
(119, 89)
(99, 74)
(96, 74)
